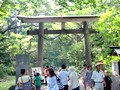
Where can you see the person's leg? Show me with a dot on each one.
(108, 88)
(102, 86)
(88, 85)
(105, 88)
(65, 87)
(97, 86)
(88, 88)
(46, 80)
(37, 87)
(84, 84)
(78, 88)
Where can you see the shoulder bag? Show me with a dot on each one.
(60, 85)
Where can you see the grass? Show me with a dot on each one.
(7, 83)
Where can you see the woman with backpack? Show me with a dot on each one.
(24, 81)
(52, 80)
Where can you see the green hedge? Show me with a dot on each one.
(6, 70)
(3, 71)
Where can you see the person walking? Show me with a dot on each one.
(38, 81)
(98, 77)
(46, 74)
(52, 80)
(108, 81)
(24, 81)
(83, 72)
(74, 79)
(63, 75)
(88, 76)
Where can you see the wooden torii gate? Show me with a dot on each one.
(62, 19)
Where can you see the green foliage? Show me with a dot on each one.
(11, 70)
(109, 31)
(64, 49)
(108, 62)
(7, 83)
(99, 5)
(109, 59)
(7, 70)
(3, 71)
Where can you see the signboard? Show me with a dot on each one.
(22, 62)
(36, 70)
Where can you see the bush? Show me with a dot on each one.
(3, 71)
(6, 70)
(11, 70)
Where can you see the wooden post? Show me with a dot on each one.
(40, 45)
(86, 43)
(62, 25)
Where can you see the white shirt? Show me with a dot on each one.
(25, 79)
(63, 75)
(52, 83)
(98, 76)
(74, 80)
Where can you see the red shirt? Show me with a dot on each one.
(46, 72)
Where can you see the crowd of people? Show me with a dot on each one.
(97, 79)
(59, 80)
(68, 79)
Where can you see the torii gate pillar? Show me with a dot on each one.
(40, 45)
(86, 44)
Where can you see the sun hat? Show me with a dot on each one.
(99, 63)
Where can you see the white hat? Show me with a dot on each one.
(71, 69)
(106, 71)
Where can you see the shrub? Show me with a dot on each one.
(3, 71)
(6, 70)
(11, 70)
